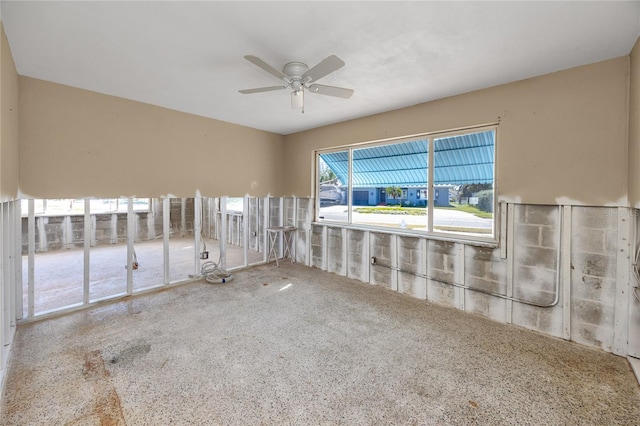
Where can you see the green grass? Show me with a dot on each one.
(463, 230)
(410, 211)
(422, 211)
(470, 209)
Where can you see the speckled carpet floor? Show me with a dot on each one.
(294, 345)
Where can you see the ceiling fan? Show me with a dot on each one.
(299, 76)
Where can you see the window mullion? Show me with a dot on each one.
(430, 193)
(350, 187)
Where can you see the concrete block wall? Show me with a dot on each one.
(181, 226)
(535, 255)
(335, 252)
(484, 269)
(593, 278)
(535, 268)
(304, 217)
(411, 258)
(357, 255)
(61, 232)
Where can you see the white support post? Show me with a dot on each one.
(325, 249)
(309, 232)
(294, 253)
(183, 217)
(423, 266)
(281, 223)
(565, 272)
(345, 252)
(265, 225)
(459, 275)
(394, 262)
(366, 253)
(257, 219)
(166, 231)
(223, 234)
(5, 288)
(31, 235)
(197, 234)
(623, 289)
(245, 230)
(131, 230)
(12, 262)
(87, 253)
(18, 254)
(504, 211)
(509, 227)
(5, 291)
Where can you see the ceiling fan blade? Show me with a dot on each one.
(325, 67)
(339, 92)
(262, 89)
(268, 68)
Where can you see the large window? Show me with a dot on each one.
(400, 185)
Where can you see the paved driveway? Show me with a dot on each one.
(442, 217)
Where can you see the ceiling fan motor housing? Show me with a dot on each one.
(295, 71)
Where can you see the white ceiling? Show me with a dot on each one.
(188, 56)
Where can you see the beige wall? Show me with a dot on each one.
(77, 143)
(562, 136)
(634, 127)
(8, 122)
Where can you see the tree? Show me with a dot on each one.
(394, 192)
(467, 190)
(326, 174)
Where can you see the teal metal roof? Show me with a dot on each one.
(458, 160)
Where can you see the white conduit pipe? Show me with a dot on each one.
(556, 297)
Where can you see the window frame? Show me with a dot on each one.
(45, 212)
(430, 232)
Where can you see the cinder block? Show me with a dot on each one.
(485, 305)
(590, 312)
(486, 285)
(534, 278)
(474, 268)
(412, 285)
(440, 293)
(482, 253)
(436, 260)
(549, 236)
(592, 335)
(542, 215)
(594, 217)
(532, 295)
(588, 240)
(597, 265)
(528, 234)
(442, 247)
(440, 275)
(380, 276)
(536, 256)
(597, 289)
(611, 242)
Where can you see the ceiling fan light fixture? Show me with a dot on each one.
(297, 99)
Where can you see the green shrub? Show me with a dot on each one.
(485, 200)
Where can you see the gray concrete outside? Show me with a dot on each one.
(441, 217)
(59, 275)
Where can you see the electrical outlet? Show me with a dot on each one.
(204, 255)
(373, 260)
